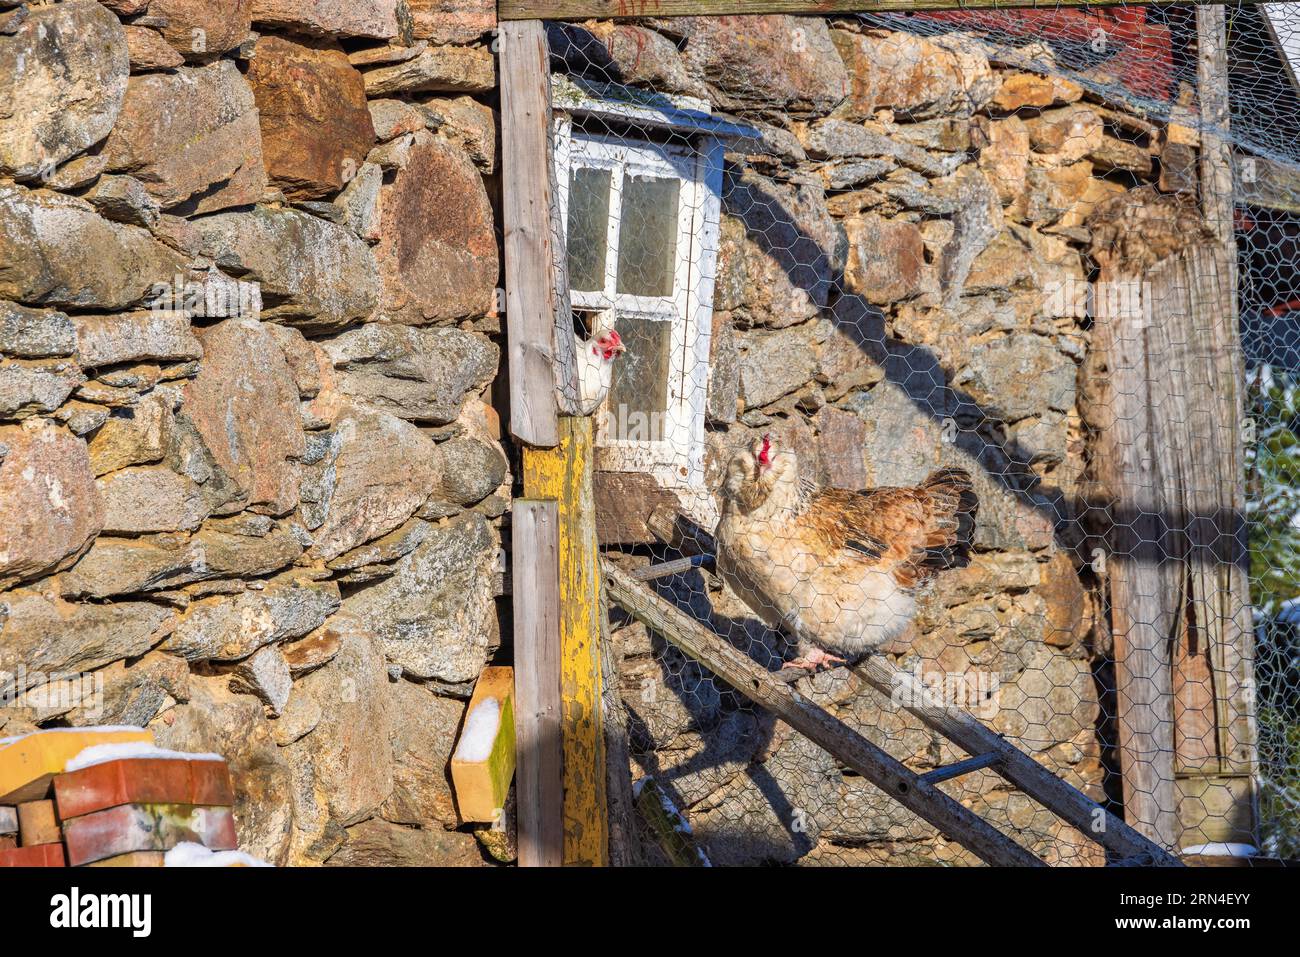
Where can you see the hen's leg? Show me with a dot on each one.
(811, 658)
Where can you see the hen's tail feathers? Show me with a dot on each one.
(953, 505)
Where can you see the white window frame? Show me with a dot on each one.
(677, 460)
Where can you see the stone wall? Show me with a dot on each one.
(251, 485)
(904, 259)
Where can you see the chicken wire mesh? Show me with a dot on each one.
(949, 330)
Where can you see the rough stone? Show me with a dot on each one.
(34, 388)
(452, 21)
(916, 77)
(56, 250)
(133, 693)
(63, 75)
(776, 363)
(469, 124)
(149, 51)
(424, 375)
(320, 275)
(313, 650)
(191, 137)
(773, 62)
(435, 616)
(231, 628)
(202, 30)
(1018, 376)
(265, 674)
(375, 19)
(115, 566)
(350, 748)
(437, 251)
(244, 404)
(1068, 134)
(424, 736)
(439, 69)
(615, 52)
(376, 472)
(392, 118)
(124, 199)
(35, 333)
(235, 726)
(134, 336)
(378, 843)
(300, 715)
(886, 259)
(1005, 158)
(471, 470)
(49, 507)
(776, 255)
(1020, 90)
(44, 634)
(150, 499)
(132, 436)
(316, 129)
(359, 201)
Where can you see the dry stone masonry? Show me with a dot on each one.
(252, 479)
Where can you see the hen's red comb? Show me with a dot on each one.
(764, 454)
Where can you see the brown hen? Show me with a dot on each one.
(837, 570)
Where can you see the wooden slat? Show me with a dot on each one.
(823, 729)
(527, 195)
(564, 474)
(967, 732)
(627, 9)
(539, 776)
(624, 841)
(1144, 594)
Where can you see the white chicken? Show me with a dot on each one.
(838, 570)
(596, 358)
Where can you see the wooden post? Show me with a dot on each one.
(564, 474)
(539, 759)
(1143, 602)
(536, 282)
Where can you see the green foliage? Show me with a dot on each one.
(1273, 489)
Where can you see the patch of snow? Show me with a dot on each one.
(189, 854)
(480, 732)
(1222, 850)
(103, 753)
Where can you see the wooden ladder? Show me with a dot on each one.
(916, 792)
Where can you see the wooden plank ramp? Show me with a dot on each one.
(918, 793)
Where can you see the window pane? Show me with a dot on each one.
(588, 222)
(647, 245)
(638, 398)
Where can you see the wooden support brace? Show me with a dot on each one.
(961, 768)
(564, 474)
(539, 758)
(823, 729)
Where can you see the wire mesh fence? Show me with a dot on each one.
(965, 340)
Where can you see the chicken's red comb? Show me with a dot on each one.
(764, 454)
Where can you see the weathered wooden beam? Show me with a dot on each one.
(971, 735)
(539, 757)
(564, 474)
(1144, 591)
(629, 9)
(527, 196)
(823, 729)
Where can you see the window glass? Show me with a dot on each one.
(647, 244)
(588, 225)
(638, 398)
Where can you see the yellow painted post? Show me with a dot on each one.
(563, 473)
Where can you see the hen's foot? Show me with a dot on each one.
(815, 659)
